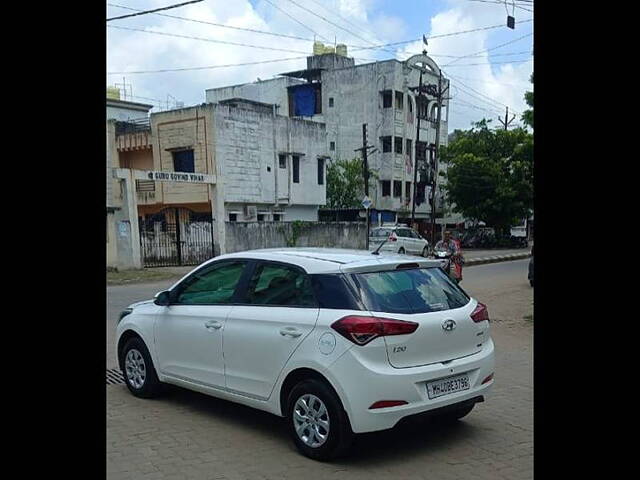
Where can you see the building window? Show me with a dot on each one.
(398, 144)
(277, 217)
(321, 171)
(183, 161)
(282, 160)
(399, 100)
(261, 217)
(233, 217)
(332, 146)
(296, 169)
(387, 99)
(386, 188)
(305, 100)
(331, 101)
(407, 191)
(386, 144)
(408, 149)
(397, 188)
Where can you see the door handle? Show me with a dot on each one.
(212, 325)
(290, 331)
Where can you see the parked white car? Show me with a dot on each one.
(399, 239)
(339, 342)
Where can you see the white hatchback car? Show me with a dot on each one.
(337, 341)
(398, 239)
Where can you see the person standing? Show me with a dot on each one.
(457, 260)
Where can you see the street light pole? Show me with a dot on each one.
(435, 161)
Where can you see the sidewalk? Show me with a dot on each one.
(479, 257)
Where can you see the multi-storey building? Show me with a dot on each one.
(344, 96)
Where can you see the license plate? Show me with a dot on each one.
(446, 386)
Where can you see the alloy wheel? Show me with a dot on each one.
(311, 420)
(135, 368)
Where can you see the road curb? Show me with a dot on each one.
(496, 258)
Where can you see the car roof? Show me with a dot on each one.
(331, 260)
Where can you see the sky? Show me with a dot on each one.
(494, 72)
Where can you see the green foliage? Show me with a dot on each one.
(345, 183)
(527, 115)
(296, 228)
(490, 174)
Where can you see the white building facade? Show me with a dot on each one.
(344, 96)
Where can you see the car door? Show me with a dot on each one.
(278, 311)
(188, 333)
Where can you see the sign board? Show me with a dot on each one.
(366, 202)
(182, 177)
(123, 228)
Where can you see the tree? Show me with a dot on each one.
(489, 175)
(527, 115)
(345, 183)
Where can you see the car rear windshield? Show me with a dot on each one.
(418, 290)
(381, 232)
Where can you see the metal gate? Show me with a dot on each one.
(176, 237)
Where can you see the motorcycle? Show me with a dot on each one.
(447, 262)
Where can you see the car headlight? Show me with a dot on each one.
(124, 313)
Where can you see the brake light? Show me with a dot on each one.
(361, 330)
(387, 403)
(392, 237)
(480, 313)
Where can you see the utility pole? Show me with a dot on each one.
(436, 154)
(365, 175)
(415, 163)
(506, 122)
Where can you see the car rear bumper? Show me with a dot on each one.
(360, 384)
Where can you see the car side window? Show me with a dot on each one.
(403, 233)
(211, 287)
(415, 235)
(275, 284)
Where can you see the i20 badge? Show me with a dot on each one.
(448, 325)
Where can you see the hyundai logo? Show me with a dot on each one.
(448, 325)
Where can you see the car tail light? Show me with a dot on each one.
(393, 238)
(387, 403)
(361, 330)
(480, 313)
(488, 379)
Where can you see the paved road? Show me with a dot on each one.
(186, 435)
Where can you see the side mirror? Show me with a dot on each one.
(162, 299)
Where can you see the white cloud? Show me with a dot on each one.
(503, 84)
(134, 51)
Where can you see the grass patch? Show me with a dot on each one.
(125, 277)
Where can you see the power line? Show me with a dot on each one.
(363, 30)
(205, 39)
(492, 48)
(436, 36)
(206, 68)
(296, 20)
(262, 32)
(479, 93)
(144, 12)
(488, 63)
(498, 2)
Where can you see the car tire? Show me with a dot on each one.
(140, 375)
(324, 408)
(401, 251)
(453, 416)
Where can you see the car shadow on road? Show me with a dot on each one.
(418, 437)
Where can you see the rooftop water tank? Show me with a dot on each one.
(318, 48)
(341, 49)
(329, 49)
